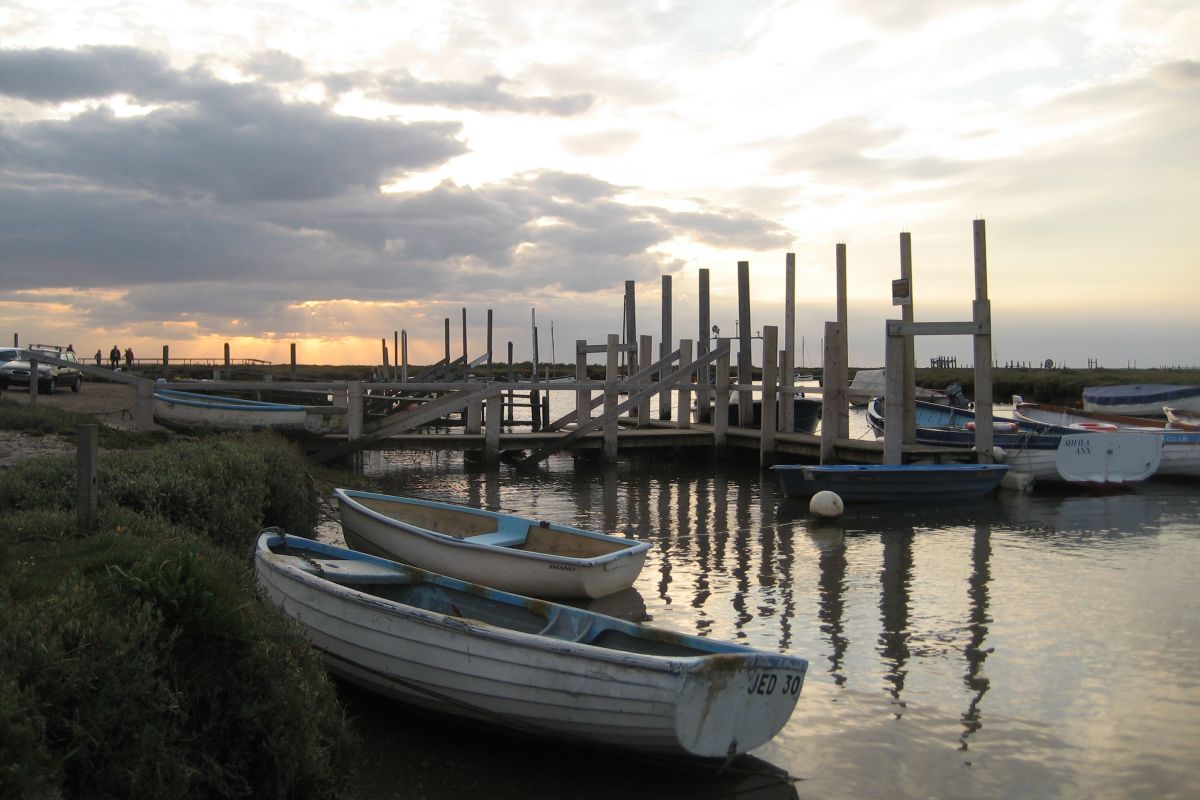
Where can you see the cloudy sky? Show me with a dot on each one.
(260, 173)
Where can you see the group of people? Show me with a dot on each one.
(114, 357)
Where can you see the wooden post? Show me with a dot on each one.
(685, 394)
(86, 460)
(787, 364)
(384, 352)
(474, 417)
(704, 395)
(745, 364)
(720, 416)
(583, 397)
(354, 410)
(466, 360)
(834, 395)
(228, 364)
(664, 347)
(491, 435)
(646, 357)
(630, 332)
(292, 369)
(33, 380)
(404, 356)
(446, 333)
(842, 416)
(611, 380)
(143, 410)
(893, 399)
(770, 396)
(489, 345)
(981, 314)
(511, 382)
(535, 408)
(166, 359)
(908, 420)
(396, 356)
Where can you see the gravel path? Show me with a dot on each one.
(110, 403)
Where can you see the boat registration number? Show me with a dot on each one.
(770, 683)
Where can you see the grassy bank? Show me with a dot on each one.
(136, 660)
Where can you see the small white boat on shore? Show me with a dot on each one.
(531, 665)
(188, 411)
(504, 551)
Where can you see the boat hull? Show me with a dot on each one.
(188, 411)
(504, 551)
(1140, 400)
(892, 484)
(694, 697)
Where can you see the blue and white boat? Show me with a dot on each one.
(901, 483)
(187, 411)
(534, 666)
(1140, 400)
(505, 551)
(1037, 452)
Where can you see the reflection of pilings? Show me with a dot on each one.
(975, 652)
(775, 569)
(832, 583)
(741, 551)
(896, 578)
(703, 537)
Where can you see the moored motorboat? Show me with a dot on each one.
(505, 551)
(1038, 452)
(1180, 448)
(535, 666)
(899, 483)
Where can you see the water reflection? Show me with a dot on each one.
(903, 599)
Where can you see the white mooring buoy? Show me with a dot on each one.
(826, 504)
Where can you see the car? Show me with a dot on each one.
(14, 368)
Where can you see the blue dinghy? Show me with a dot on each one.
(876, 483)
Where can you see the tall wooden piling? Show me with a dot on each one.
(907, 312)
(770, 396)
(611, 382)
(787, 366)
(745, 365)
(833, 397)
(982, 317)
(664, 347)
(703, 338)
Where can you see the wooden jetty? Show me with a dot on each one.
(614, 415)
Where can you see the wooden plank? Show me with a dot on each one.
(770, 396)
(406, 420)
(565, 440)
(897, 327)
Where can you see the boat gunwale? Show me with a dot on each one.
(748, 657)
(634, 548)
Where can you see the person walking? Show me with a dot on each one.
(99, 356)
(128, 358)
(114, 357)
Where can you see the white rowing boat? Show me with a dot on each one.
(528, 664)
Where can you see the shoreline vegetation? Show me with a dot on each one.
(135, 659)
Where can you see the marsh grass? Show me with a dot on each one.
(138, 661)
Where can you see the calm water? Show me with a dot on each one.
(1034, 645)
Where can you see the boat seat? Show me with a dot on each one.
(498, 538)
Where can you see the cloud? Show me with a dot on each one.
(51, 75)
(486, 94)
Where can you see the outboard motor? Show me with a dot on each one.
(954, 393)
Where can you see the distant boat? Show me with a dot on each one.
(875, 483)
(187, 411)
(516, 554)
(1037, 452)
(1141, 400)
(538, 667)
(1180, 448)
(868, 383)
